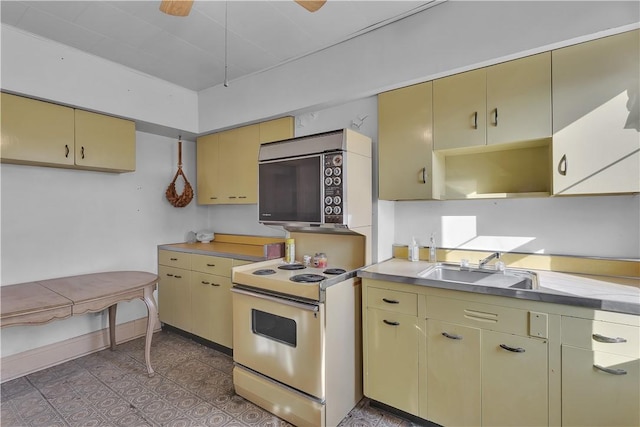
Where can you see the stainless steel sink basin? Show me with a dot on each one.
(509, 278)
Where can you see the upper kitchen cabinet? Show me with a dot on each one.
(228, 161)
(276, 130)
(596, 117)
(408, 168)
(41, 133)
(104, 142)
(501, 104)
(238, 165)
(207, 158)
(36, 132)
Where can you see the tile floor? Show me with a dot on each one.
(192, 387)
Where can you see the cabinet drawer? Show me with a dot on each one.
(211, 264)
(479, 315)
(396, 301)
(601, 336)
(174, 259)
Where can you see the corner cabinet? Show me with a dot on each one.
(596, 118)
(227, 162)
(408, 168)
(46, 134)
(194, 294)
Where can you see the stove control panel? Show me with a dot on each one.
(333, 204)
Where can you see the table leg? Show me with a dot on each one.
(112, 325)
(152, 314)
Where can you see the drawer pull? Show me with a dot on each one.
(211, 265)
(169, 274)
(205, 282)
(390, 301)
(607, 340)
(177, 277)
(512, 349)
(173, 259)
(610, 370)
(391, 323)
(215, 284)
(452, 336)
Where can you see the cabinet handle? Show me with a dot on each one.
(66, 150)
(242, 197)
(173, 259)
(82, 152)
(215, 284)
(390, 301)
(213, 198)
(610, 370)
(169, 274)
(452, 336)
(562, 165)
(495, 117)
(607, 340)
(512, 349)
(424, 175)
(205, 282)
(391, 323)
(211, 265)
(232, 197)
(177, 277)
(475, 120)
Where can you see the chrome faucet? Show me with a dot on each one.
(484, 261)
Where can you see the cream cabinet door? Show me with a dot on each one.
(238, 165)
(211, 308)
(596, 118)
(391, 368)
(453, 374)
(36, 132)
(459, 110)
(519, 100)
(104, 142)
(599, 389)
(405, 144)
(207, 160)
(276, 130)
(514, 380)
(174, 297)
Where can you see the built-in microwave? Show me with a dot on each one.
(303, 180)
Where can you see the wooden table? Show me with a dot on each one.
(36, 303)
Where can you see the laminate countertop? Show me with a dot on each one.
(616, 294)
(247, 248)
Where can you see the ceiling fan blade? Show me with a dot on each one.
(311, 5)
(176, 7)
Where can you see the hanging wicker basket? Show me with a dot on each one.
(179, 200)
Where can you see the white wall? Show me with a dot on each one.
(61, 222)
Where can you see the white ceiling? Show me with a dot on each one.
(190, 51)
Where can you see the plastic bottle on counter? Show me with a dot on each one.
(414, 250)
(433, 254)
(290, 251)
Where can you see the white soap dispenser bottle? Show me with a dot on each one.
(414, 250)
(433, 257)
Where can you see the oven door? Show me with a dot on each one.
(281, 339)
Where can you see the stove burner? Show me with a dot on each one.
(292, 267)
(264, 272)
(307, 278)
(334, 271)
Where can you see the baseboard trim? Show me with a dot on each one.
(27, 362)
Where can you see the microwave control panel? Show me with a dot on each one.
(333, 204)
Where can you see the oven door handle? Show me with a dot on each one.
(301, 305)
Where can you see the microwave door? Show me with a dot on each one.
(290, 190)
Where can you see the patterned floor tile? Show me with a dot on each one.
(192, 387)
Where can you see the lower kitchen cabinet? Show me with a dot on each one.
(600, 373)
(392, 348)
(194, 294)
(453, 396)
(514, 380)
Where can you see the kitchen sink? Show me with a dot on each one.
(509, 278)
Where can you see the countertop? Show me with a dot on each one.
(616, 294)
(246, 248)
